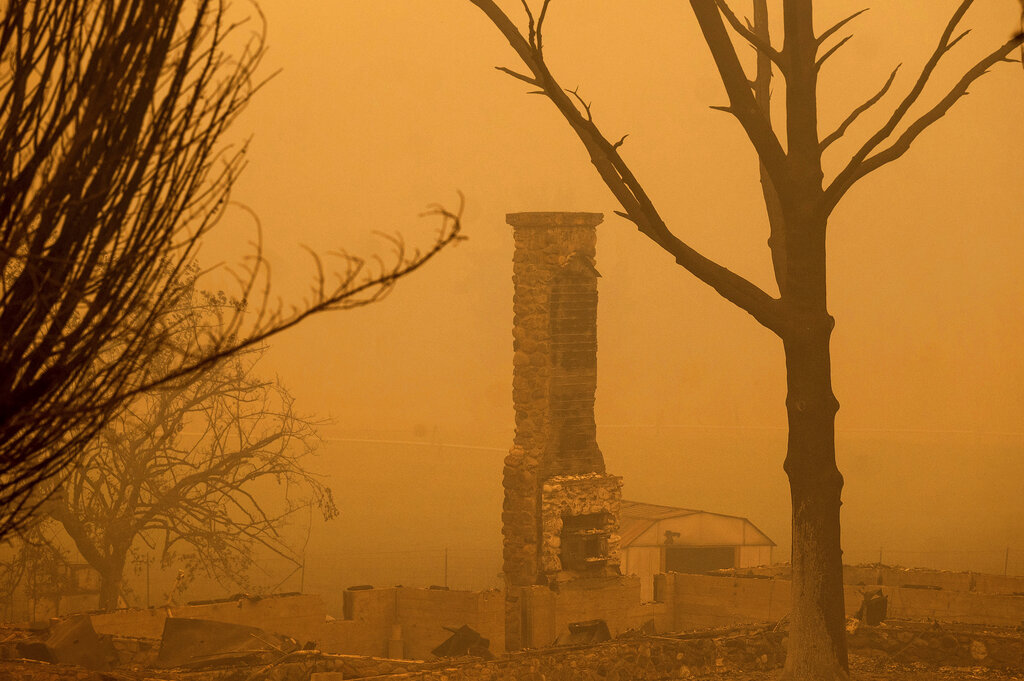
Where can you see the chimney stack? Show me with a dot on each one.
(560, 517)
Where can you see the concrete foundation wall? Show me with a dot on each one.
(369, 619)
(886, 575)
(423, 615)
(998, 584)
(697, 601)
(892, 576)
(704, 601)
(546, 614)
(955, 606)
(391, 622)
(408, 623)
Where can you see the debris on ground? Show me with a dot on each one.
(195, 643)
(464, 641)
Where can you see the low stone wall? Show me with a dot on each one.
(130, 651)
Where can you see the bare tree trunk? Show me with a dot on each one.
(109, 562)
(817, 635)
(111, 577)
(799, 204)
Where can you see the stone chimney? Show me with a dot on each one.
(560, 518)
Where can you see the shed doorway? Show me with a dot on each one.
(699, 559)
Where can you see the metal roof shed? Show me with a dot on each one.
(658, 539)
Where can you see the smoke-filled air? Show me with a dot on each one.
(501, 339)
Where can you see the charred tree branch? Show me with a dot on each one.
(758, 42)
(848, 175)
(841, 130)
(859, 168)
(741, 100)
(837, 26)
(637, 206)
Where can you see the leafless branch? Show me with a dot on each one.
(861, 164)
(763, 97)
(532, 26)
(187, 459)
(747, 33)
(620, 180)
(111, 170)
(525, 79)
(575, 92)
(742, 104)
(835, 48)
(540, 26)
(838, 132)
(945, 43)
(837, 26)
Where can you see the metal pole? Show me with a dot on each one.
(1006, 561)
(149, 603)
(446, 567)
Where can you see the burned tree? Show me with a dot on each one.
(113, 163)
(193, 467)
(34, 569)
(799, 202)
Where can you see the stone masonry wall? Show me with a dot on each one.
(554, 373)
(576, 495)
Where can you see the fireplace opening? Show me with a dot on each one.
(584, 545)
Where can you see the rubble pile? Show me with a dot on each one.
(939, 644)
(642, 657)
(199, 650)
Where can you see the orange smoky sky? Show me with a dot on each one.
(381, 108)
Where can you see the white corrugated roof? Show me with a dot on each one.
(637, 517)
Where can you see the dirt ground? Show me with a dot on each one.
(880, 669)
(873, 669)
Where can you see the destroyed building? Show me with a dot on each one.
(580, 564)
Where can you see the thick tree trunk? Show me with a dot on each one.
(105, 556)
(110, 585)
(817, 634)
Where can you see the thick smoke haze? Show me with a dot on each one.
(381, 108)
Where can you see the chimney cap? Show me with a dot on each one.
(554, 219)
